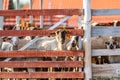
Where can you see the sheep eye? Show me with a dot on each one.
(107, 43)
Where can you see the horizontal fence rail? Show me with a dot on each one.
(44, 12)
(38, 53)
(38, 64)
(106, 70)
(105, 12)
(42, 75)
(49, 12)
(105, 52)
(105, 31)
(37, 32)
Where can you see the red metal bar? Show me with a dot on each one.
(37, 53)
(36, 32)
(44, 12)
(41, 75)
(38, 64)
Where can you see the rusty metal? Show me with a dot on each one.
(44, 12)
(41, 75)
(38, 64)
(37, 53)
(36, 32)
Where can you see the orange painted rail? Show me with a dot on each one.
(38, 12)
(37, 32)
(41, 75)
(38, 53)
(38, 64)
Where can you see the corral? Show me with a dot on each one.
(45, 54)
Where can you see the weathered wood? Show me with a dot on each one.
(105, 52)
(37, 38)
(36, 32)
(1, 17)
(38, 64)
(105, 12)
(79, 39)
(60, 22)
(41, 17)
(44, 12)
(105, 31)
(17, 17)
(41, 75)
(87, 39)
(37, 53)
(106, 70)
(31, 17)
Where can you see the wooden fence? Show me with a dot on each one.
(38, 53)
(106, 70)
(98, 70)
(40, 64)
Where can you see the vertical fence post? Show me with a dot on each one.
(79, 39)
(41, 17)
(1, 17)
(80, 27)
(1, 22)
(87, 39)
(17, 17)
(31, 17)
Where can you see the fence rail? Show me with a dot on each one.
(41, 74)
(105, 12)
(105, 31)
(38, 64)
(39, 53)
(37, 32)
(106, 70)
(105, 52)
(44, 12)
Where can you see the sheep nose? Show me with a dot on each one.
(111, 46)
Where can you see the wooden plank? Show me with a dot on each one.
(87, 39)
(17, 17)
(41, 17)
(59, 23)
(41, 75)
(104, 52)
(38, 64)
(1, 17)
(105, 31)
(37, 53)
(105, 12)
(106, 70)
(38, 12)
(36, 32)
(31, 17)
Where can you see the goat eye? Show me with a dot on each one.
(58, 32)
